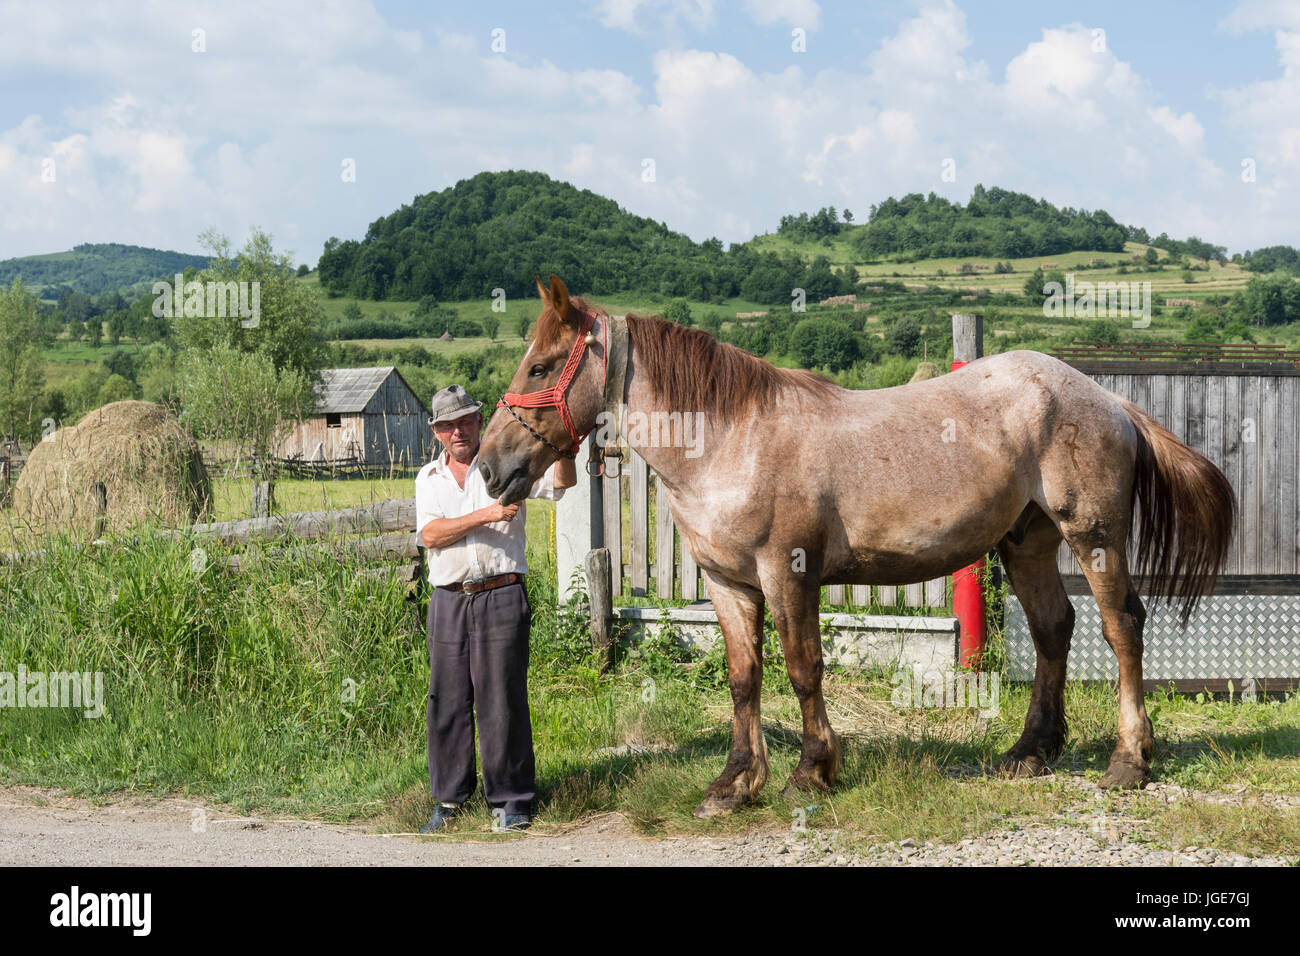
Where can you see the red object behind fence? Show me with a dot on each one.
(968, 604)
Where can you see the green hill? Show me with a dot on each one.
(498, 230)
(94, 268)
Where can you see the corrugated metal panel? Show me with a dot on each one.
(1231, 636)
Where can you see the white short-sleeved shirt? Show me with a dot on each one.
(486, 551)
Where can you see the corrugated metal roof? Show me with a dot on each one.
(349, 389)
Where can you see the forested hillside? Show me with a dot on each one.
(93, 268)
(498, 230)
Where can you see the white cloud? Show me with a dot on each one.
(160, 143)
(795, 13)
(642, 16)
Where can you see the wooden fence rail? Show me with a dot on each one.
(381, 517)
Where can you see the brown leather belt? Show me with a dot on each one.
(484, 584)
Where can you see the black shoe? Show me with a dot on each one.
(441, 816)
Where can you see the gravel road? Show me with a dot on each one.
(50, 828)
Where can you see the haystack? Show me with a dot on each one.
(925, 370)
(148, 463)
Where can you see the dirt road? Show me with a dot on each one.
(46, 827)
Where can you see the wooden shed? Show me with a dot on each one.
(368, 416)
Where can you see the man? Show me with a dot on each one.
(478, 621)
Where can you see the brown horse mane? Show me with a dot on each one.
(690, 369)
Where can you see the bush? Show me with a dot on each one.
(904, 337)
(824, 342)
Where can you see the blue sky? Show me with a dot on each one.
(114, 127)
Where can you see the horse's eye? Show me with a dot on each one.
(537, 371)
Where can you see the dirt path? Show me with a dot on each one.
(47, 827)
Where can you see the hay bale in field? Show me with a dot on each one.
(148, 463)
(925, 370)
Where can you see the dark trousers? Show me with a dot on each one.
(478, 664)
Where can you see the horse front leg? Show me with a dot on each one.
(740, 612)
(795, 614)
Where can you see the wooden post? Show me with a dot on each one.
(262, 499)
(99, 492)
(967, 583)
(579, 521)
(599, 589)
(967, 339)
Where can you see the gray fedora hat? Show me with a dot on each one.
(451, 403)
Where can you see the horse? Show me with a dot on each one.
(802, 483)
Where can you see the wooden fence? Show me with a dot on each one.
(1244, 417)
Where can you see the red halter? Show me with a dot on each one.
(554, 397)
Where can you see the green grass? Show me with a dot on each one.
(231, 689)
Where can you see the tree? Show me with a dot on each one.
(521, 326)
(22, 375)
(247, 380)
(490, 325)
(1101, 330)
(352, 312)
(821, 341)
(678, 312)
(904, 337)
(303, 270)
(1034, 284)
(116, 389)
(1151, 256)
(288, 329)
(241, 397)
(848, 216)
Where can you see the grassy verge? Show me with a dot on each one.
(236, 689)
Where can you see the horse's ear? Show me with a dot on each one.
(541, 290)
(559, 297)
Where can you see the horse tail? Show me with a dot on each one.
(1187, 513)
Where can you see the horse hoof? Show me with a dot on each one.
(717, 807)
(795, 788)
(1122, 775)
(1029, 766)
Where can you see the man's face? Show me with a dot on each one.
(460, 435)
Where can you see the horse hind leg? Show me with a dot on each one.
(1030, 563)
(740, 612)
(1104, 561)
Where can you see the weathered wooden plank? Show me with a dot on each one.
(1142, 392)
(914, 594)
(1231, 464)
(639, 484)
(887, 595)
(1252, 436)
(860, 595)
(383, 516)
(1270, 429)
(1176, 418)
(835, 595)
(612, 519)
(690, 575)
(388, 547)
(1158, 394)
(665, 552)
(936, 592)
(1288, 485)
